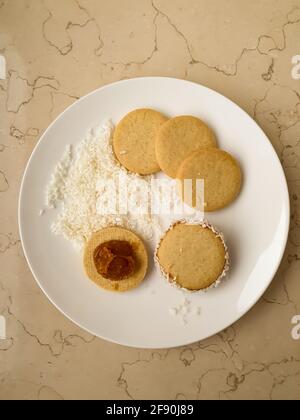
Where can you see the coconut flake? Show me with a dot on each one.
(75, 183)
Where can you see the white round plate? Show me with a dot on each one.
(256, 225)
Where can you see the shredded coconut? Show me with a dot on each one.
(184, 311)
(78, 187)
(57, 186)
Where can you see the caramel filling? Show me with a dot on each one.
(114, 260)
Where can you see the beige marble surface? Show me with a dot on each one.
(56, 51)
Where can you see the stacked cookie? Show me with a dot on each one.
(184, 148)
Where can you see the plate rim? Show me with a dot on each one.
(121, 82)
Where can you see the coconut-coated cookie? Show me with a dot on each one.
(192, 256)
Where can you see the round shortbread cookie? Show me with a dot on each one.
(193, 256)
(221, 174)
(134, 141)
(140, 256)
(177, 138)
